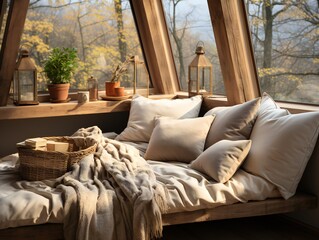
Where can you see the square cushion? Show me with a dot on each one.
(221, 160)
(282, 144)
(143, 111)
(178, 139)
(232, 123)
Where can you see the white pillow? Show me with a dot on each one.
(178, 139)
(232, 123)
(143, 111)
(221, 160)
(281, 147)
(267, 103)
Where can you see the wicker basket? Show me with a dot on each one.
(40, 165)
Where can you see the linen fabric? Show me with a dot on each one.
(178, 139)
(221, 160)
(143, 111)
(232, 123)
(281, 147)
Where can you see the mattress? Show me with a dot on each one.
(188, 190)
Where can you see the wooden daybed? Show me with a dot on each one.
(238, 210)
(271, 205)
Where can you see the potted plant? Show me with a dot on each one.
(59, 68)
(112, 88)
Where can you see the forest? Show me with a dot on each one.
(284, 33)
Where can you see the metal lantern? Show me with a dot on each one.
(137, 69)
(200, 73)
(25, 81)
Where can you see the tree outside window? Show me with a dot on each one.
(285, 39)
(103, 32)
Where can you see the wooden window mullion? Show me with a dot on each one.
(234, 49)
(10, 45)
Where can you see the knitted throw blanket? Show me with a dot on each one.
(112, 194)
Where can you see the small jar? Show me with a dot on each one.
(92, 86)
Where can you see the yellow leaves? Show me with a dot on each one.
(262, 72)
(274, 73)
(43, 27)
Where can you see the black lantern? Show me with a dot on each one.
(200, 73)
(138, 72)
(25, 81)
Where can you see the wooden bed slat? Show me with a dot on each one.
(238, 210)
(254, 208)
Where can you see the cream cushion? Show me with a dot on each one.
(143, 111)
(281, 147)
(232, 123)
(221, 160)
(178, 139)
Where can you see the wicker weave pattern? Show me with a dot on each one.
(39, 165)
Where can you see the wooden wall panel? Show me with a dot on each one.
(10, 45)
(233, 42)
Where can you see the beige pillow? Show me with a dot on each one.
(232, 123)
(281, 147)
(221, 160)
(178, 139)
(143, 111)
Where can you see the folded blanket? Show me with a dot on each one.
(112, 194)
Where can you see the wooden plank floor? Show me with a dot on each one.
(254, 228)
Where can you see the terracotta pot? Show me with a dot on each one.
(110, 88)
(59, 92)
(119, 91)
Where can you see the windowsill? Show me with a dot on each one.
(74, 108)
(48, 109)
(298, 107)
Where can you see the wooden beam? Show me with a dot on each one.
(234, 48)
(151, 25)
(10, 45)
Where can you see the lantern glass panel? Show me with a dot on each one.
(193, 73)
(206, 81)
(26, 81)
(127, 79)
(142, 80)
(15, 86)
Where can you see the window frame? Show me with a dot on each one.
(233, 40)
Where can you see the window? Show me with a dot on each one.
(103, 32)
(4, 6)
(285, 40)
(188, 23)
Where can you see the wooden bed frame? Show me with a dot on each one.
(300, 201)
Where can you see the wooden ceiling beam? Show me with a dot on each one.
(10, 45)
(151, 26)
(234, 48)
